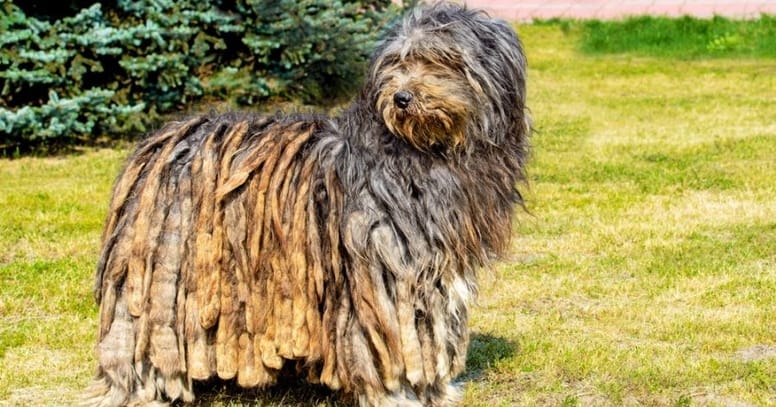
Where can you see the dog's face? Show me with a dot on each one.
(445, 75)
(426, 99)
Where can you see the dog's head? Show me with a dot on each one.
(445, 76)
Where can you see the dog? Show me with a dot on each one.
(344, 250)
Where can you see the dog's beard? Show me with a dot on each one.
(427, 127)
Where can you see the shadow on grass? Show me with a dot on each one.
(290, 393)
(484, 351)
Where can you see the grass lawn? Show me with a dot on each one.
(645, 273)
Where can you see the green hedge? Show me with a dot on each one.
(68, 75)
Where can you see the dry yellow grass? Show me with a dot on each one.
(647, 273)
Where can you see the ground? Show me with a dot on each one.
(643, 272)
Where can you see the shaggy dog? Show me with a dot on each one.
(345, 250)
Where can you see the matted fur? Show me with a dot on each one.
(240, 245)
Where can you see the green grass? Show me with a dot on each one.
(649, 265)
(681, 37)
(644, 275)
(51, 212)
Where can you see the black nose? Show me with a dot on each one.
(402, 99)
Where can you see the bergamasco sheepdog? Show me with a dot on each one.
(343, 250)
